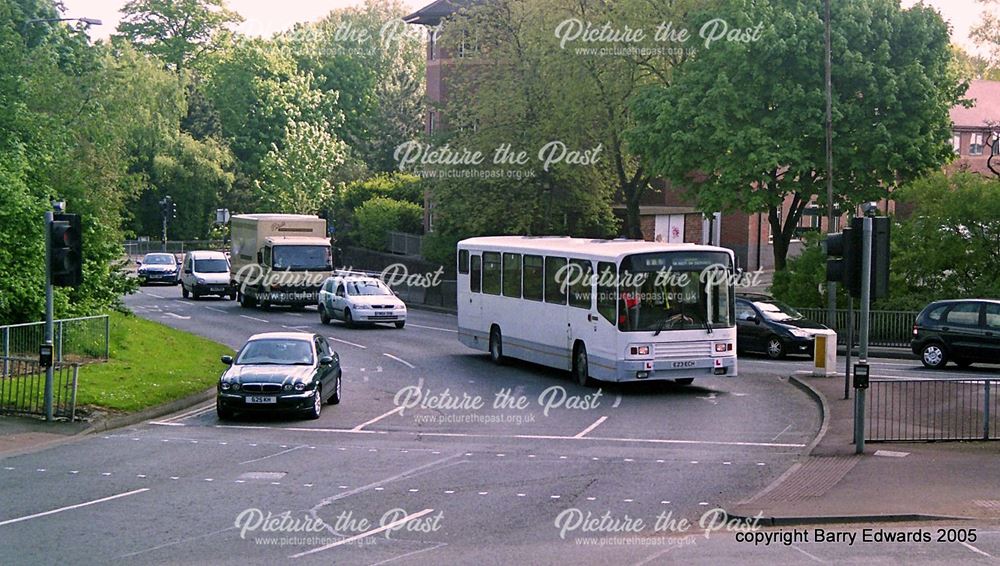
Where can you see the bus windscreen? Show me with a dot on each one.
(675, 291)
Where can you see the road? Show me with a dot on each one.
(372, 482)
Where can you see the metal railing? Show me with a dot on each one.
(73, 339)
(405, 244)
(932, 409)
(891, 329)
(143, 247)
(22, 388)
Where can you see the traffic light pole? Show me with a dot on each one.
(49, 372)
(866, 288)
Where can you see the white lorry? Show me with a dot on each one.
(279, 259)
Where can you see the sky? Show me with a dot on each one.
(265, 17)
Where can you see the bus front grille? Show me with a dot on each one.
(682, 350)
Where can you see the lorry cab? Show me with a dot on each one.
(206, 273)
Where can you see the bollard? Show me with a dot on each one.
(825, 353)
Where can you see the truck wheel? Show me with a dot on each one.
(496, 346)
(245, 301)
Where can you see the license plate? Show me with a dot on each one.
(260, 400)
(383, 314)
(218, 289)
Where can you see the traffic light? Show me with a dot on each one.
(173, 209)
(66, 252)
(880, 257)
(168, 208)
(843, 263)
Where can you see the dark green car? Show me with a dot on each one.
(280, 371)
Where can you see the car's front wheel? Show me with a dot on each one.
(775, 348)
(223, 413)
(348, 318)
(317, 406)
(933, 356)
(400, 323)
(323, 316)
(184, 291)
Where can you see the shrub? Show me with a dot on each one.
(380, 215)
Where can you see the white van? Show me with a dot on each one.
(206, 273)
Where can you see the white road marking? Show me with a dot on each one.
(273, 455)
(891, 453)
(71, 507)
(596, 424)
(400, 360)
(976, 550)
(190, 413)
(152, 295)
(186, 303)
(300, 327)
(217, 310)
(377, 419)
(618, 401)
(294, 314)
(177, 316)
(782, 432)
(366, 534)
(348, 343)
(256, 319)
(159, 423)
(431, 327)
(807, 554)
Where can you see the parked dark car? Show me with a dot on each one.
(158, 268)
(280, 371)
(964, 332)
(766, 325)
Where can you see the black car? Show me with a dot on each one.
(280, 371)
(158, 268)
(964, 331)
(766, 325)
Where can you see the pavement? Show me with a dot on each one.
(904, 482)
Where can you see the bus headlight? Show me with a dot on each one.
(723, 347)
(638, 349)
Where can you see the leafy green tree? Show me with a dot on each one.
(949, 248)
(179, 32)
(742, 125)
(345, 202)
(380, 215)
(299, 176)
(376, 63)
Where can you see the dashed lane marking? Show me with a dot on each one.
(217, 310)
(431, 327)
(177, 316)
(361, 426)
(400, 360)
(348, 343)
(71, 507)
(596, 424)
(254, 318)
(367, 534)
(274, 455)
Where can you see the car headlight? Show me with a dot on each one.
(201, 281)
(800, 333)
(236, 386)
(287, 387)
(225, 386)
(300, 386)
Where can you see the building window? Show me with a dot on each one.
(976, 144)
(956, 143)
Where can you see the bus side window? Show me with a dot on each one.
(580, 290)
(554, 290)
(512, 275)
(463, 261)
(491, 273)
(607, 291)
(533, 277)
(475, 275)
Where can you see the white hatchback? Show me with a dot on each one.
(357, 299)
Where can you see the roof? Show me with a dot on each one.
(986, 98)
(433, 13)
(275, 217)
(583, 246)
(206, 253)
(298, 240)
(305, 336)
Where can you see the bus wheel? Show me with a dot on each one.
(581, 368)
(496, 346)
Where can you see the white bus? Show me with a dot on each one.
(610, 310)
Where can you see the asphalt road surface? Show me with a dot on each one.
(378, 480)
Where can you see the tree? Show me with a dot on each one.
(949, 247)
(376, 64)
(380, 215)
(178, 32)
(741, 125)
(299, 175)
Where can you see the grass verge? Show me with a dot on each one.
(150, 364)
